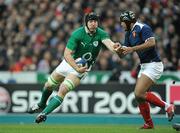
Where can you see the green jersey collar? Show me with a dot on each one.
(88, 32)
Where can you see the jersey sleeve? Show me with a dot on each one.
(146, 33)
(72, 42)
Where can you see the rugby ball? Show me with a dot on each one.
(81, 62)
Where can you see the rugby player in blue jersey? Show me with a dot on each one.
(139, 38)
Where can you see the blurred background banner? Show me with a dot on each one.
(94, 77)
(86, 99)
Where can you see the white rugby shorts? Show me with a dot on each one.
(153, 70)
(64, 69)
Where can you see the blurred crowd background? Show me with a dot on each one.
(34, 33)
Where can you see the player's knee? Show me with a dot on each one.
(69, 84)
(65, 87)
(51, 83)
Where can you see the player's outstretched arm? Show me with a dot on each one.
(109, 44)
(114, 47)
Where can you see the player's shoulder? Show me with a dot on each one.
(141, 26)
(78, 30)
(77, 33)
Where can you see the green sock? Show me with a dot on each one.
(45, 95)
(53, 104)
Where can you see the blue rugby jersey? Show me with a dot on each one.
(138, 36)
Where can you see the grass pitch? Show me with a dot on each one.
(50, 128)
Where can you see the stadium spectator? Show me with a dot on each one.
(42, 25)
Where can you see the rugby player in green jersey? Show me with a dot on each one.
(85, 42)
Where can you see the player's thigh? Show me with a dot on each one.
(147, 76)
(142, 85)
(54, 80)
(57, 77)
(59, 73)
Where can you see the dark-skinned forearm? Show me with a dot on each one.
(148, 44)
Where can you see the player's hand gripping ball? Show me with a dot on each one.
(81, 62)
(118, 48)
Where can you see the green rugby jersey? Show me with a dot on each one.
(85, 45)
